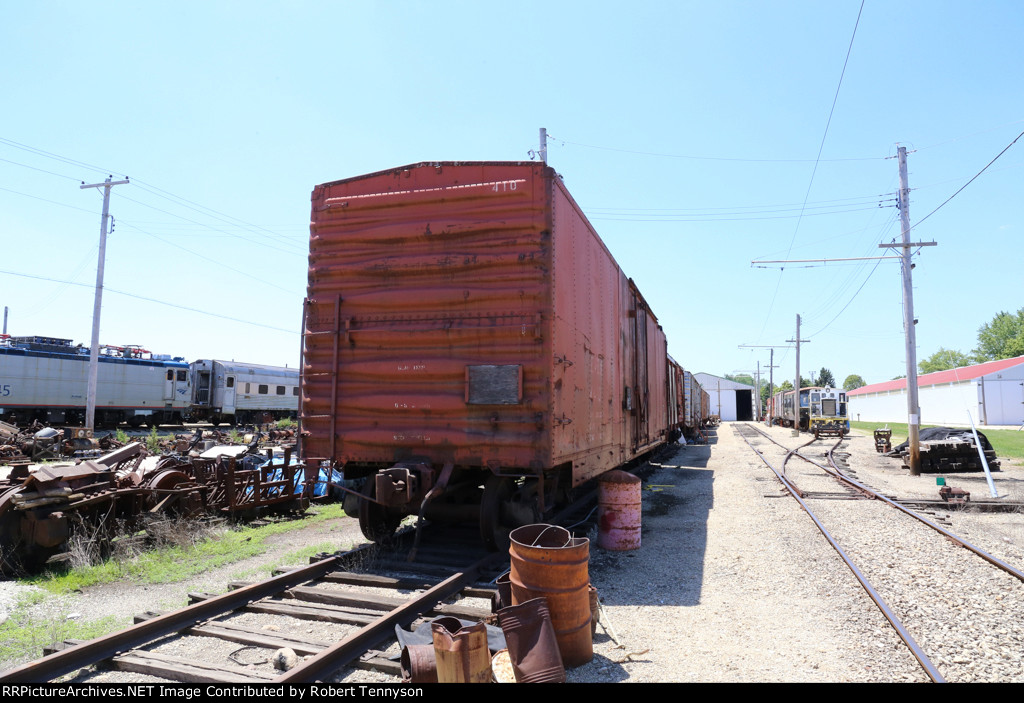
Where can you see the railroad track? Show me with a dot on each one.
(338, 615)
(952, 603)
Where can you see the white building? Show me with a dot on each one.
(992, 392)
(729, 400)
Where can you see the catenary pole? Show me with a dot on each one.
(796, 383)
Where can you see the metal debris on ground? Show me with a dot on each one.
(948, 450)
(42, 506)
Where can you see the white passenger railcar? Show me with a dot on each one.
(229, 391)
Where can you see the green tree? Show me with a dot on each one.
(853, 381)
(825, 378)
(1002, 338)
(787, 385)
(943, 359)
(745, 379)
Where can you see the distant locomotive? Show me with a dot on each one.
(822, 410)
(472, 351)
(45, 379)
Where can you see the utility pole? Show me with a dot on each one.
(771, 370)
(909, 323)
(543, 145)
(757, 397)
(796, 384)
(94, 349)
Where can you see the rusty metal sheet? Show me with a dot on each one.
(417, 274)
(469, 313)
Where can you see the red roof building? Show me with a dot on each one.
(992, 392)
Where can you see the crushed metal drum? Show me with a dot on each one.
(532, 645)
(461, 651)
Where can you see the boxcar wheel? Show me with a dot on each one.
(376, 522)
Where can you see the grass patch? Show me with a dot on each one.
(23, 636)
(25, 632)
(175, 563)
(1008, 444)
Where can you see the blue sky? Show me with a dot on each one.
(688, 132)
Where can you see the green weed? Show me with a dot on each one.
(177, 562)
(24, 634)
(153, 442)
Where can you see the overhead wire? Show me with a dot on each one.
(155, 190)
(151, 300)
(959, 190)
(693, 218)
(704, 158)
(262, 280)
(821, 147)
(217, 229)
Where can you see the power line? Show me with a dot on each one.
(821, 147)
(695, 218)
(220, 264)
(843, 202)
(968, 182)
(217, 229)
(708, 158)
(57, 157)
(150, 300)
(159, 192)
(41, 170)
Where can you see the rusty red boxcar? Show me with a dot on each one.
(471, 348)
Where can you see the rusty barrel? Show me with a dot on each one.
(618, 512)
(548, 562)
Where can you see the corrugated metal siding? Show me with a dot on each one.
(426, 279)
(416, 274)
(588, 317)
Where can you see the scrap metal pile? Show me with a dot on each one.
(948, 449)
(43, 506)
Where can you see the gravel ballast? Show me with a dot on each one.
(734, 583)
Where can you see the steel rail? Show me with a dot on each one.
(995, 561)
(838, 474)
(107, 646)
(353, 646)
(915, 649)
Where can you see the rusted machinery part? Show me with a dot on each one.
(10, 531)
(184, 504)
(438, 489)
(376, 521)
(905, 635)
(168, 478)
